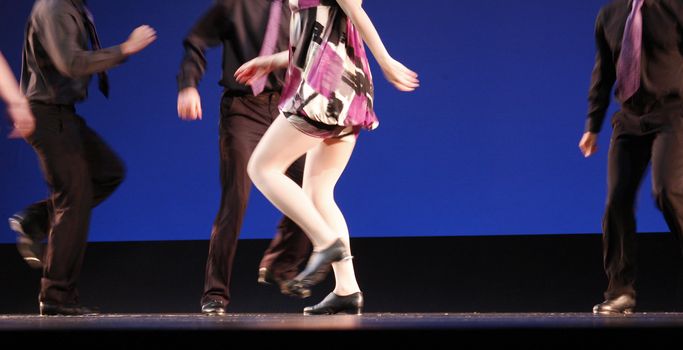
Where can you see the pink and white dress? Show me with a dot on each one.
(328, 82)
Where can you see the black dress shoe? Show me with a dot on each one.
(317, 268)
(29, 237)
(623, 304)
(333, 304)
(50, 309)
(213, 308)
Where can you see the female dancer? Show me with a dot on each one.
(327, 99)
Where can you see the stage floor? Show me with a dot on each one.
(182, 330)
(372, 321)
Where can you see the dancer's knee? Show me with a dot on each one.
(255, 169)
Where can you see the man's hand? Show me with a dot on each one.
(189, 104)
(588, 144)
(140, 38)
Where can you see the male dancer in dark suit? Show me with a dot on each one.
(239, 26)
(638, 48)
(61, 52)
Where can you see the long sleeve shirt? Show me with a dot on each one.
(661, 60)
(239, 26)
(57, 60)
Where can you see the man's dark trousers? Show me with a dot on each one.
(644, 133)
(81, 171)
(244, 120)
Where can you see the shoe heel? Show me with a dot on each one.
(15, 226)
(333, 304)
(263, 276)
(25, 245)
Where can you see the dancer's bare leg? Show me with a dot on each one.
(280, 146)
(324, 165)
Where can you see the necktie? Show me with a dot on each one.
(628, 65)
(95, 42)
(269, 41)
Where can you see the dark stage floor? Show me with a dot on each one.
(390, 328)
(375, 321)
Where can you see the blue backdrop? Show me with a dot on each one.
(486, 146)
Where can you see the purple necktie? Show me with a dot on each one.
(269, 41)
(628, 65)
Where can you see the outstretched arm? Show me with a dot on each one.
(59, 32)
(260, 66)
(17, 106)
(396, 73)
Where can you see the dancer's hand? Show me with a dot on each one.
(22, 118)
(254, 69)
(399, 75)
(189, 104)
(588, 144)
(140, 38)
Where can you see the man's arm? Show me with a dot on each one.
(675, 7)
(58, 31)
(602, 80)
(208, 32)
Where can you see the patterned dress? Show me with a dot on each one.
(328, 82)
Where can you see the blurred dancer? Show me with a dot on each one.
(61, 52)
(239, 27)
